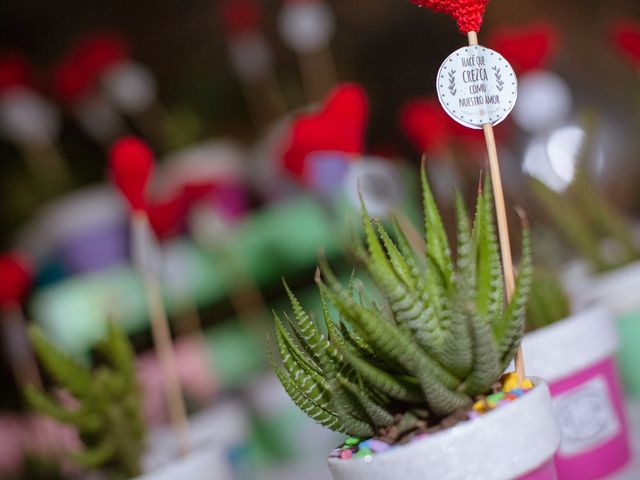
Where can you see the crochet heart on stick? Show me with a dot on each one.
(468, 14)
(338, 127)
(15, 279)
(427, 125)
(526, 48)
(625, 37)
(131, 163)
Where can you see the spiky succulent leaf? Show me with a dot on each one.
(510, 328)
(490, 285)
(96, 456)
(487, 365)
(108, 415)
(66, 371)
(305, 329)
(44, 403)
(548, 302)
(436, 237)
(379, 416)
(322, 416)
(442, 338)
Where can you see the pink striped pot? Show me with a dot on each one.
(516, 441)
(577, 358)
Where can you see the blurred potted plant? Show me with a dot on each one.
(106, 414)
(603, 237)
(576, 354)
(105, 409)
(402, 375)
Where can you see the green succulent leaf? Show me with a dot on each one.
(108, 416)
(510, 329)
(438, 249)
(441, 335)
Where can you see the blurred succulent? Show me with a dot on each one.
(586, 218)
(548, 302)
(105, 408)
(444, 336)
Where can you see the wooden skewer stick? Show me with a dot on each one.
(318, 73)
(160, 330)
(501, 216)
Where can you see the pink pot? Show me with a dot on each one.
(577, 358)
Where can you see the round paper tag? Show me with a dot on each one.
(477, 86)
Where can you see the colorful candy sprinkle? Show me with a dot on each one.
(511, 390)
(363, 452)
(352, 441)
(378, 446)
(346, 454)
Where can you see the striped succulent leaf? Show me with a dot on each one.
(444, 335)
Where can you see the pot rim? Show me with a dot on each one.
(494, 448)
(571, 344)
(200, 455)
(615, 288)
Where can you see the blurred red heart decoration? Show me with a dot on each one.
(196, 191)
(338, 127)
(528, 47)
(239, 16)
(78, 72)
(426, 124)
(468, 14)
(15, 70)
(430, 129)
(131, 164)
(15, 279)
(625, 37)
(167, 216)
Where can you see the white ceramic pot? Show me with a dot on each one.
(576, 357)
(618, 290)
(612, 289)
(224, 426)
(207, 463)
(86, 231)
(516, 441)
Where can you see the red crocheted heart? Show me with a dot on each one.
(625, 36)
(167, 216)
(240, 16)
(15, 70)
(526, 48)
(78, 72)
(426, 124)
(430, 129)
(131, 163)
(468, 14)
(15, 279)
(338, 127)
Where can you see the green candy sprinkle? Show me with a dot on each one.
(363, 452)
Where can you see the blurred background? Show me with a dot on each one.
(212, 87)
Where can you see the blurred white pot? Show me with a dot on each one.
(208, 463)
(618, 290)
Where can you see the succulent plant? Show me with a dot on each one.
(443, 336)
(548, 302)
(105, 408)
